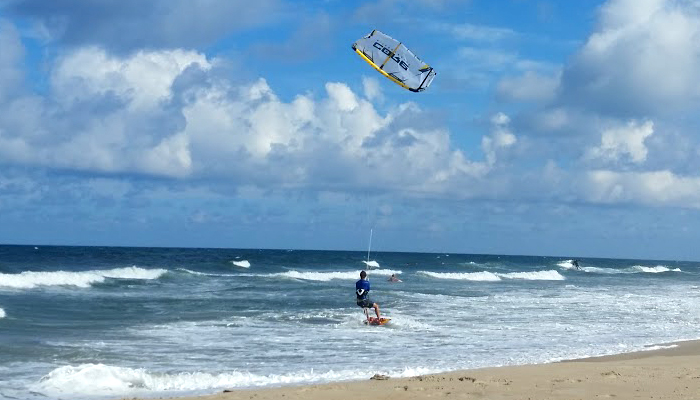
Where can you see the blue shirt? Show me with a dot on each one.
(362, 289)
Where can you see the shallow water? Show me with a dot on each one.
(101, 322)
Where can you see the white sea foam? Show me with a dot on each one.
(198, 273)
(106, 380)
(654, 270)
(32, 279)
(468, 276)
(566, 264)
(327, 276)
(242, 264)
(189, 271)
(486, 276)
(550, 275)
(2, 313)
(660, 347)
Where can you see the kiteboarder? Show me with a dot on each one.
(362, 292)
(393, 278)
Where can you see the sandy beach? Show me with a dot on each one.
(669, 373)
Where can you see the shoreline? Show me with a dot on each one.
(667, 373)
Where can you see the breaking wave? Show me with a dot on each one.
(654, 270)
(103, 380)
(327, 276)
(242, 264)
(486, 276)
(32, 279)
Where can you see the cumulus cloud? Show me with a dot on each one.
(103, 114)
(641, 60)
(623, 103)
(501, 138)
(144, 79)
(623, 142)
(372, 89)
(657, 188)
(172, 113)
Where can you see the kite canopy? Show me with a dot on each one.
(395, 61)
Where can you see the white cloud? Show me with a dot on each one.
(623, 142)
(144, 78)
(11, 58)
(530, 86)
(476, 33)
(642, 59)
(657, 188)
(372, 89)
(172, 113)
(103, 113)
(501, 138)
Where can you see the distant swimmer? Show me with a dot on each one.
(575, 264)
(362, 292)
(393, 278)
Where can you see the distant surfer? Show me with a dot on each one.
(362, 292)
(393, 278)
(575, 264)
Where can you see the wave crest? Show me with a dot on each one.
(655, 270)
(486, 276)
(32, 279)
(100, 379)
(242, 263)
(327, 276)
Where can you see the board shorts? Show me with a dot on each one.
(365, 303)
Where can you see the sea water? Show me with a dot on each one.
(108, 322)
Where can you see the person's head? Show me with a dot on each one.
(393, 276)
(363, 274)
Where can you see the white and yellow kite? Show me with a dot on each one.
(395, 61)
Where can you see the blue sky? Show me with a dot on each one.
(552, 128)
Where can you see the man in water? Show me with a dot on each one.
(393, 278)
(362, 292)
(575, 264)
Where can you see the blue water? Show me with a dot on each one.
(107, 322)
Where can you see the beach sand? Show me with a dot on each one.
(672, 373)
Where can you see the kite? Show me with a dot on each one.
(395, 61)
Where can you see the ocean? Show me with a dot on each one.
(114, 322)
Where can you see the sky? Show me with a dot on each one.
(555, 128)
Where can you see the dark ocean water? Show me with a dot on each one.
(110, 322)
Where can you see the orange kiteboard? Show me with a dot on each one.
(377, 321)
